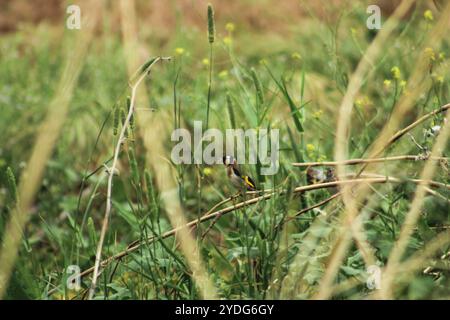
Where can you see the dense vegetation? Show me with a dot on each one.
(239, 79)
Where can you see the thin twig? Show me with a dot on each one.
(373, 160)
(406, 129)
(414, 212)
(217, 205)
(46, 138)
(325, 201)
(112, 170)
(243, 204)
(319, 204)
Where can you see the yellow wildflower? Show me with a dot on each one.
(359, 102)
(179, 51)
(387, 83)
(230, 27)
(363, 102)
(429, 52)
(428, 15)
(207, 171)
(227, 40)
(223, 74)
(205, 62)
(296, 56)
(402, 84)
(396, 72)
(317, 114)
(310, 148)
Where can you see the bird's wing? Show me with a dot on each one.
(236, 171)
(249, 181)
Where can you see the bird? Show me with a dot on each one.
(240, 181)
(320, 175)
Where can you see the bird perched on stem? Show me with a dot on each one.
(240, 181)
(320, 175)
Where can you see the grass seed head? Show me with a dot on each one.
(116, 119)
(211, 24)
(12, 186)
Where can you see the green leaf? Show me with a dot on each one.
(296, 116)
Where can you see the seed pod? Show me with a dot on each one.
(123, 117)
(12, 186)
(128, 103)
(132, 115)
(151, 196)
(211, 25)
(133, 165)
(258, 87)
(116, 119)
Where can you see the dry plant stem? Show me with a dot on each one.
(374, 160)
(405, 130)
(393, 139)
(343, 124)
(237, 206)
(210, 226)
(415, 85)
(323, 202)
(316, 205)
(320, 204)
(117, 149)
(47, 136)
(419, 259)
(217, 205)
(218, 216)
(154, 131)
(413, 214)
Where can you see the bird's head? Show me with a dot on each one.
(229, 161)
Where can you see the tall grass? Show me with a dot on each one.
(50, 129)
(181, 231)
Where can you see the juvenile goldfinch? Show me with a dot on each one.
(320, 175)
(240, 181)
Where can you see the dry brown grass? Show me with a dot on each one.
(47, 137)
(154, 131)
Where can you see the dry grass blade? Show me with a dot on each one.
(415, 84)
(112, 170)
(137, 244)
(414, 212)
(345, 112)
(45, 142)
(374, 160)
(153, 131)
